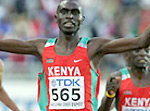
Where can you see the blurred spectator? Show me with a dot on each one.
(20, 6)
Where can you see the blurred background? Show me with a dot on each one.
(26, 19)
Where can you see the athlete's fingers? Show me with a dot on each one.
(112, 79)
(113, 84)
(112, 87)
(118, 78)
(111, 92)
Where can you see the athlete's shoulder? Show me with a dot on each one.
(37, 42)
(98, 43)
(99, 39)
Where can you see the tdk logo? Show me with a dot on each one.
(53, 82)
(65, 82)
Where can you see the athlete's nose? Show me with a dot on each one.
(142, 52)
(69, 15)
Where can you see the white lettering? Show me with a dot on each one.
(50, 71)
(137, 102)
(77, 71)
(63, 71)
(146, 101)
(70, 70)
(140, 102)
(56, 71)
(133, 101)
(127, 101)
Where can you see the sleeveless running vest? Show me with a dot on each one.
(68, 83)
(132, 98)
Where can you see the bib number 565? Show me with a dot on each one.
(64, 94)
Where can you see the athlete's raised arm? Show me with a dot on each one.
(33, 47)
(105, 46)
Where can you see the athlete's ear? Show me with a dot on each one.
(55, 16)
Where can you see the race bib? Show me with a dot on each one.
(66, 92)
(124, 108)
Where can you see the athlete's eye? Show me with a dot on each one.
(75, 12)
(147, 50)
(137, 50)
(64, 11)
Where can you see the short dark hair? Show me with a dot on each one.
(65, 0)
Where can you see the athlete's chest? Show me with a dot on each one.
(74, 65)
(129, 89)
(67, 74)
(133, 98)
(64, 51)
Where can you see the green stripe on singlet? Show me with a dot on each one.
(51, 40)
(43, 101)
(93, 90)
(124, 71)
(84, 40)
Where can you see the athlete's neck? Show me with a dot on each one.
(68, 36)
(67, 41)
(139, 72)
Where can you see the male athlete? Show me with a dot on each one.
(70, 77)
(130, 86)
(3, 95)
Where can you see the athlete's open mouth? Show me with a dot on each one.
(142, 60)
(69, 24)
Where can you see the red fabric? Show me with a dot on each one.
(38, 96)
(98, 83)
(51, 59)
(132, 96)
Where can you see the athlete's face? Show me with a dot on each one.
(69, 16)
(139, 58)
